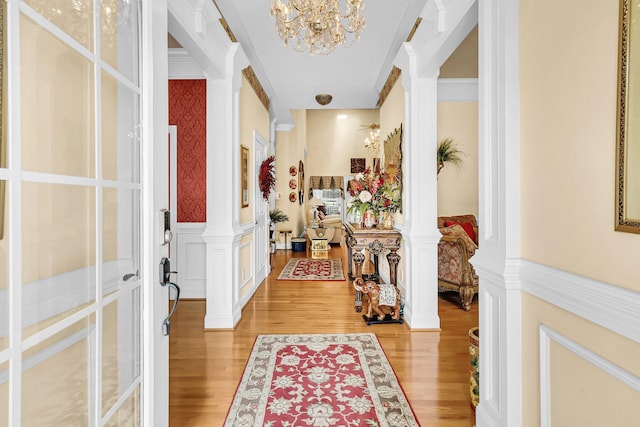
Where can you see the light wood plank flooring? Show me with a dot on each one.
(206, 366)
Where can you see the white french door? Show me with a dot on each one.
(74, 274)
(260, 212)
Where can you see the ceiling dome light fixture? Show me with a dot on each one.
(323, 98)
(318, 25)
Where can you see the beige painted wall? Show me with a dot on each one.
(290, 148)
(463, 62)
(458, 187)
(391, 118)
(253, 116)
(568, 138)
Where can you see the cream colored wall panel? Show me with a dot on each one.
(392, 116)
(458, 186)
(568, 136)
(291, 146)
(191, 260)
(463, 62)
(608, 345)
(253, 116)
(246, 273)
(581, 393)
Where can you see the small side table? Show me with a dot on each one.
(286, 233)
(319, 249)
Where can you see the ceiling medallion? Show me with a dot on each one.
(323, 98)
(318, 26)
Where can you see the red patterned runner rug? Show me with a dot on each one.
(319, 380)
(312, 269)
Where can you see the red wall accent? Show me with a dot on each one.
(187, 110)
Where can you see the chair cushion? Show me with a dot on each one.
(467, 226)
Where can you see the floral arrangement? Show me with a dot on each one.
(267, 177)
(378, 192)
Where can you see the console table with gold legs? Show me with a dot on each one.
(376, 241)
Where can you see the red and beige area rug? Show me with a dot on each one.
(319, 380)
(312, 269)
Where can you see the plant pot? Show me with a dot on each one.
(474, 373)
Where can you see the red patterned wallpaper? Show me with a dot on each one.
(187, 110)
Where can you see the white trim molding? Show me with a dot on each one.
(611, 307)
(182, 66)
(457, 90)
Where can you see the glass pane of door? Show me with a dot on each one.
(57, 130)
(58, 252)
(78, 322)
(56, 378)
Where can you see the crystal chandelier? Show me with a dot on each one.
(372, 142)
(317, 26)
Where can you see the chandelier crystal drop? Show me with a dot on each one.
(318, 26)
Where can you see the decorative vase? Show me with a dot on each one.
(387, 220)
(369, 219)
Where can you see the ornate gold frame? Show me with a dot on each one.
(244, 176)
(628, 132)
(392, 149)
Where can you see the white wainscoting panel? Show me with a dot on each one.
(546, 336)
(191, 260)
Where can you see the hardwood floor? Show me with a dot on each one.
(206, 366)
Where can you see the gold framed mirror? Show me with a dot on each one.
(392, 151)
(628, 132)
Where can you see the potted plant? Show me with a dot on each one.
(276, 215)
(448, 152)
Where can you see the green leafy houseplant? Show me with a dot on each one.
(276, 215)
(448, 152)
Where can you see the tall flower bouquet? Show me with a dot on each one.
(377, 192)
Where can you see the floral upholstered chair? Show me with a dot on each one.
(458, 243)
(322, 226)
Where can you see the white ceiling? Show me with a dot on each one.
(354, 76)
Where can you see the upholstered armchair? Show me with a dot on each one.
(458, 243)
(328, 227)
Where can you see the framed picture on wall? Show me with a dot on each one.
(244, 178)
(357, 165)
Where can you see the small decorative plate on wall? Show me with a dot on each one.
(293, 171)
(293, 197)
(292, 184)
